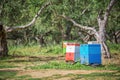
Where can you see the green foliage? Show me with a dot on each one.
(85, 12)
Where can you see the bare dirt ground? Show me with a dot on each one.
(51, 72)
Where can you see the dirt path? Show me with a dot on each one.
(52, 72)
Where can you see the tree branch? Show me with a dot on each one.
(107, 12)
(10, 29)
(81, 26)
(104, 17)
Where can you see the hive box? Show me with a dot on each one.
(90, 54)
(72, 52)
(92, 42)
(64, 46)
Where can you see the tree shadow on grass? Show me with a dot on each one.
(12, 75)
(7, 74)
(104, 76)
(18, 59)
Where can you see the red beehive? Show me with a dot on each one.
(72, 52)
(69, 57)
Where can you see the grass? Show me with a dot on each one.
(48, 50)
(7, 74)
(52, 57)
(77, 66)
(34, 50)
(92, 76)
(53, 50)
(98, 76)
(7, 66)
(57, 76)
(114, 48)
(24, 50)
(24, 77)
(4, 63)
(61, 65)
(12, 75)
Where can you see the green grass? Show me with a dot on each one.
(35, 50)
(24, 50)
(7, 66)
(4, 63)
(53, 50)
(91, 76)
(4, 75)
(48, 50)
(52, 57)
(36, 79)
(24, 77)
(76, 66)
(114, 48)
(113, 67)
(12, 75)
(53, 77)
(99, 76)
(62, 65)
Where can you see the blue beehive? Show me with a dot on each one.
(90, 54)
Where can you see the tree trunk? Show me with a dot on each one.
(102, 32)
(68, 31)
(102, 21)
(59, 25)
(117, 36)
(3, 42)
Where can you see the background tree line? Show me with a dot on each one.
(50, 28)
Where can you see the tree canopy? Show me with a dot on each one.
(85, 12)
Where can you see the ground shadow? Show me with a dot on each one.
(34, 58)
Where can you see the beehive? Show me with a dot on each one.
(90, 54)
(72, 52)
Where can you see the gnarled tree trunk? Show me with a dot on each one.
(3, 42)
(99, 35)
(102, 21)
